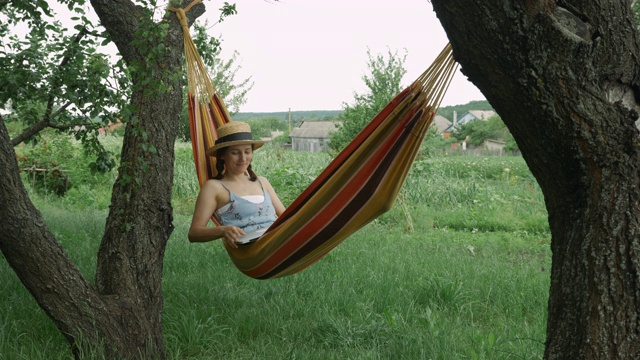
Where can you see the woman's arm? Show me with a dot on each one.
(277, 204)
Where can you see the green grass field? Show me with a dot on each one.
(458, 269)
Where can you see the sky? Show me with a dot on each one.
(312, 54)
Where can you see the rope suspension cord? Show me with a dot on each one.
(361, 182)
(207, 110)
(197, 75)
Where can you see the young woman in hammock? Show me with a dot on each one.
(243, 203)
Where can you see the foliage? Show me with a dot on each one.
(635, 5)
(59, 164)
(47, 164)
(263, 127)
(383, 82)
(222, 73)
(44, 174)
(32, 11)
(283, 139)
(435, 141)
(54, 78)
(480, 130)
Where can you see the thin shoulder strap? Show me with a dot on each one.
(231, 193)
(264, 191)
(223, 185)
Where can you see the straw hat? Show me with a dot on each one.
(234, 133)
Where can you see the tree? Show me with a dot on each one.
(384, 82)
(120, 316)
(480, 130)
(263, 127)
(564, 78)
(58, 80)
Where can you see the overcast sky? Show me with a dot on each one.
(312, 54)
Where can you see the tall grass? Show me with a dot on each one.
(383, 294)
(457, 269)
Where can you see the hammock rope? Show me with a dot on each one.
(361, 182)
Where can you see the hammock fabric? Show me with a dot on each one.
(360, 184)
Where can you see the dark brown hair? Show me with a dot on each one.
(220, 165)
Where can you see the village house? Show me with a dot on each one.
(312, 135)
(440, 123)
(467, 117)
(472, 115)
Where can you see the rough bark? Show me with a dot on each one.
(121, 316)
(83, 315)
(564, 78)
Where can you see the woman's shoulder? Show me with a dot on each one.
(214, 189)
(263, 180)
(212, 185)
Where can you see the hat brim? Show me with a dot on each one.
(212, 151)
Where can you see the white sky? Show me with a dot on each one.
(312, 54)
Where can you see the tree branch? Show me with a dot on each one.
(30, 132)
(46, 123)
(55, 86)
(57, 81)
(49, 115)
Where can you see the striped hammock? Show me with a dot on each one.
(360, 184)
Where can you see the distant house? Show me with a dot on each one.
(441, 123)
(472, 115)
(466, 118)
(312, 136)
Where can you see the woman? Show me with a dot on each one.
(243, 203)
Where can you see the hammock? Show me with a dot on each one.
(360, 184)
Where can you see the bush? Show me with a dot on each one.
(58, 164)
(45, 174)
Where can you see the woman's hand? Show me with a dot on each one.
(231, 235)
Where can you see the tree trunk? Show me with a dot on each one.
(121, 317)
(564, 78)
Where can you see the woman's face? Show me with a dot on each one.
(237, 158)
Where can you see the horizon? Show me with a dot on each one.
(340, 110)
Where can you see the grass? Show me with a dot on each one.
(383, 294)
(458, 269)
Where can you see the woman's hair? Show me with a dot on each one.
(220, 165)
